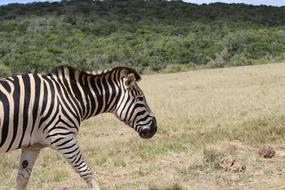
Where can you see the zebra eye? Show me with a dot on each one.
(140, 98)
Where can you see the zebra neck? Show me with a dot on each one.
(100, 94)
(91, 94)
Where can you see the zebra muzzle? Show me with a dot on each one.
(149, 131)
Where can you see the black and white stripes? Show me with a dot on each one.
(37, 111)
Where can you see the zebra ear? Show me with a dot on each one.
(129, 80)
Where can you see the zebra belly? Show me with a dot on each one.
(15, 138)
(20, 105)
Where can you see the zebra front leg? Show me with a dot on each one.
(27, 161)
(70, 150)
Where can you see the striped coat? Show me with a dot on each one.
(38, 111)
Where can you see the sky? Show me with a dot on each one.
(5, 2)
(253, 2)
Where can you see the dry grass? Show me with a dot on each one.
(202, 116)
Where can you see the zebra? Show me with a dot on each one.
(45, 110)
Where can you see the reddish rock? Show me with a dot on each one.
(266, 151)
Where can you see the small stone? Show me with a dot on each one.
(266, 151)
(259, 173)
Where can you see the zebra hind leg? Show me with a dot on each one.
(27, 161)
(70, 150)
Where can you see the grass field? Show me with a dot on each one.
(202, 117)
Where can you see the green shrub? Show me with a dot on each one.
(152, 36)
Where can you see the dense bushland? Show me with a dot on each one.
(151, 35)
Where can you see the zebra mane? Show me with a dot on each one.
(127, 70)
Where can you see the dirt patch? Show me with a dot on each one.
(231, 164)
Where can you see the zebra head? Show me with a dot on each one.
(132, 107)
